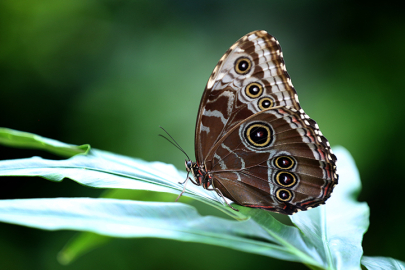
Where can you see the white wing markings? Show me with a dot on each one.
(230, 151)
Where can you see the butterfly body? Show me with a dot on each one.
(254, 144)
(199, 173)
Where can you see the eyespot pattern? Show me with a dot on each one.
(243, 65)
(284, 195)
(259, 134)
(284, 162)
(286, 179)
(265, 103)
(254, 90)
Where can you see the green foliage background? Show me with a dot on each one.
(108, 73)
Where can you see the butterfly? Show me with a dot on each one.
(253, 142)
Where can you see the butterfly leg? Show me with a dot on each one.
(189, 178)
(185, 184)
(182, 183)
(184, 188)
(223, 197)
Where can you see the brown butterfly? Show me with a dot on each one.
(253, 142)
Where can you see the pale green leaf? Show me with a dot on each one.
(382, 263)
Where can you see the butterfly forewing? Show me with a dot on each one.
(232, 95)
(253, 141)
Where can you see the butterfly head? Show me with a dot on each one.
(189, 165)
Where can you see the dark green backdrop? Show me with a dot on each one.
(108, 73)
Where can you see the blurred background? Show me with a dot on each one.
(108, 73)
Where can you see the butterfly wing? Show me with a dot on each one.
(252, 136)
(249, 77)
(277, 160)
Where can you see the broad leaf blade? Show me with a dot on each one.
(100, 169)
(21, 139)
(382, 263)
(287, 236)
(337, 228)
(84, 242)
(124, 218)
(106, 170)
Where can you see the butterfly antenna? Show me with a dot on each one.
(173, 142)
(170, 142)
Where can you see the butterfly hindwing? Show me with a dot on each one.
(276, 155)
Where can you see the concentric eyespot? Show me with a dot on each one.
(259, 134)
(284, 162)
(286, 179)
(254, 90)
(265, 103)
(283, 195)
(243, 65)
